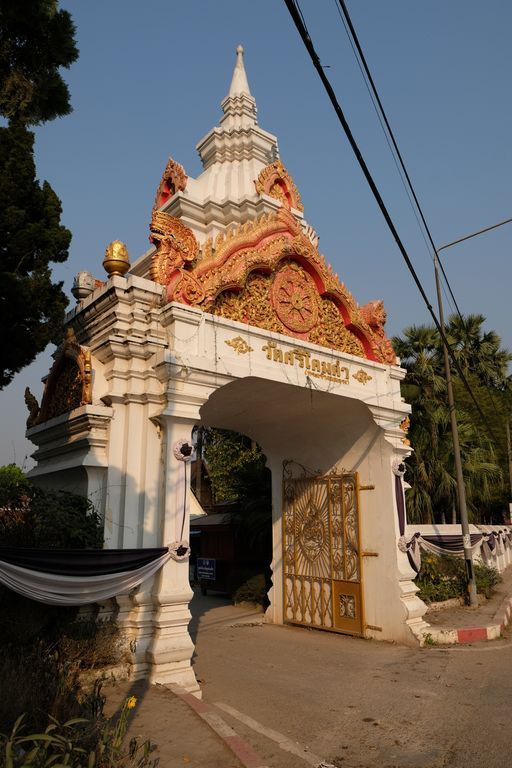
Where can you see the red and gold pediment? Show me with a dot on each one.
(268, 273)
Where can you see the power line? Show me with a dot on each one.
(379, 108)
(377, 103)
(300, 24)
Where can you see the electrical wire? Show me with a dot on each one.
(377, 103)
(397, 156)
(298, 19)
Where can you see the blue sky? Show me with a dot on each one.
(149, 82)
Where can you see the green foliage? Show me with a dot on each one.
(36, 40)
(32, 307)
(235, 464)
(78, 743)
(36, 517)
(431, 468)
(443, 577)
(14, 485)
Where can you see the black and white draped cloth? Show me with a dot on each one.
(84, 576)
(438, 544)
(489, 543)
(79, 577)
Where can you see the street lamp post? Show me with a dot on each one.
(461, 489)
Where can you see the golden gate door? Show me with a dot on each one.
(321, 553)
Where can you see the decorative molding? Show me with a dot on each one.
(174, 179)
(76, 439)
(311, 234)
(295, 298)
(275, 181)
(362, 377)
(240, 345)
(405, 425)
(69, 382)
(374, 314)
(398, 466)
(183, 451)
(175, 246)
(33, 408)
(269, 274)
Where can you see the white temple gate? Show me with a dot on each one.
(233, 319)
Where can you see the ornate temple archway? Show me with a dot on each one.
(234, 319)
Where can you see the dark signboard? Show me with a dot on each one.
(206, 567)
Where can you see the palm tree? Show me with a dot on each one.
(478, 352)
(431, 472)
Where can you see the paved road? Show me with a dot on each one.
(302, 696)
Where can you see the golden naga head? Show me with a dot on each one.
(174, 241)
(117, 260)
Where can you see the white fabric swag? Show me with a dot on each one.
(57, 589)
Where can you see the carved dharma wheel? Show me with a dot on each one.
(295, 299)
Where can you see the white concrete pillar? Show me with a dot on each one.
(170, 650)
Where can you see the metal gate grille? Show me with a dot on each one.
(321, 551)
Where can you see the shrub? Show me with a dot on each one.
(254, 590)
(42, 678)
(37, 683)
(487, 579)
(37, 517)
(442, 577)
(91, 644)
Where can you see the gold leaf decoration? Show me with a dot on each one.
(69, 383)
(275, 181)
(361, 376)
(240, 345)
(268, 273)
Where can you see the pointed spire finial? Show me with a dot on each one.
(239, 84)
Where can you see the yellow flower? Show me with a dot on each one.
(131, 702)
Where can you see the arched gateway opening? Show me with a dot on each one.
(233, 319)
(317, 555)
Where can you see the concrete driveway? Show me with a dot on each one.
(305, 697)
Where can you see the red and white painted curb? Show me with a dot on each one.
(241, 748)
(464, 635)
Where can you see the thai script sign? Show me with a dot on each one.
(206, 568)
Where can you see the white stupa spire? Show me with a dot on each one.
(239, 84)
(239, 106)
(233, 154)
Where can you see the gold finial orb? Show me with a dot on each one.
(116, 261)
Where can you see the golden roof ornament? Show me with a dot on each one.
(174, 179)
(275, 181)
(116, 261)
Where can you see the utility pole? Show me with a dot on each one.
(509, 455)
(461, 489)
